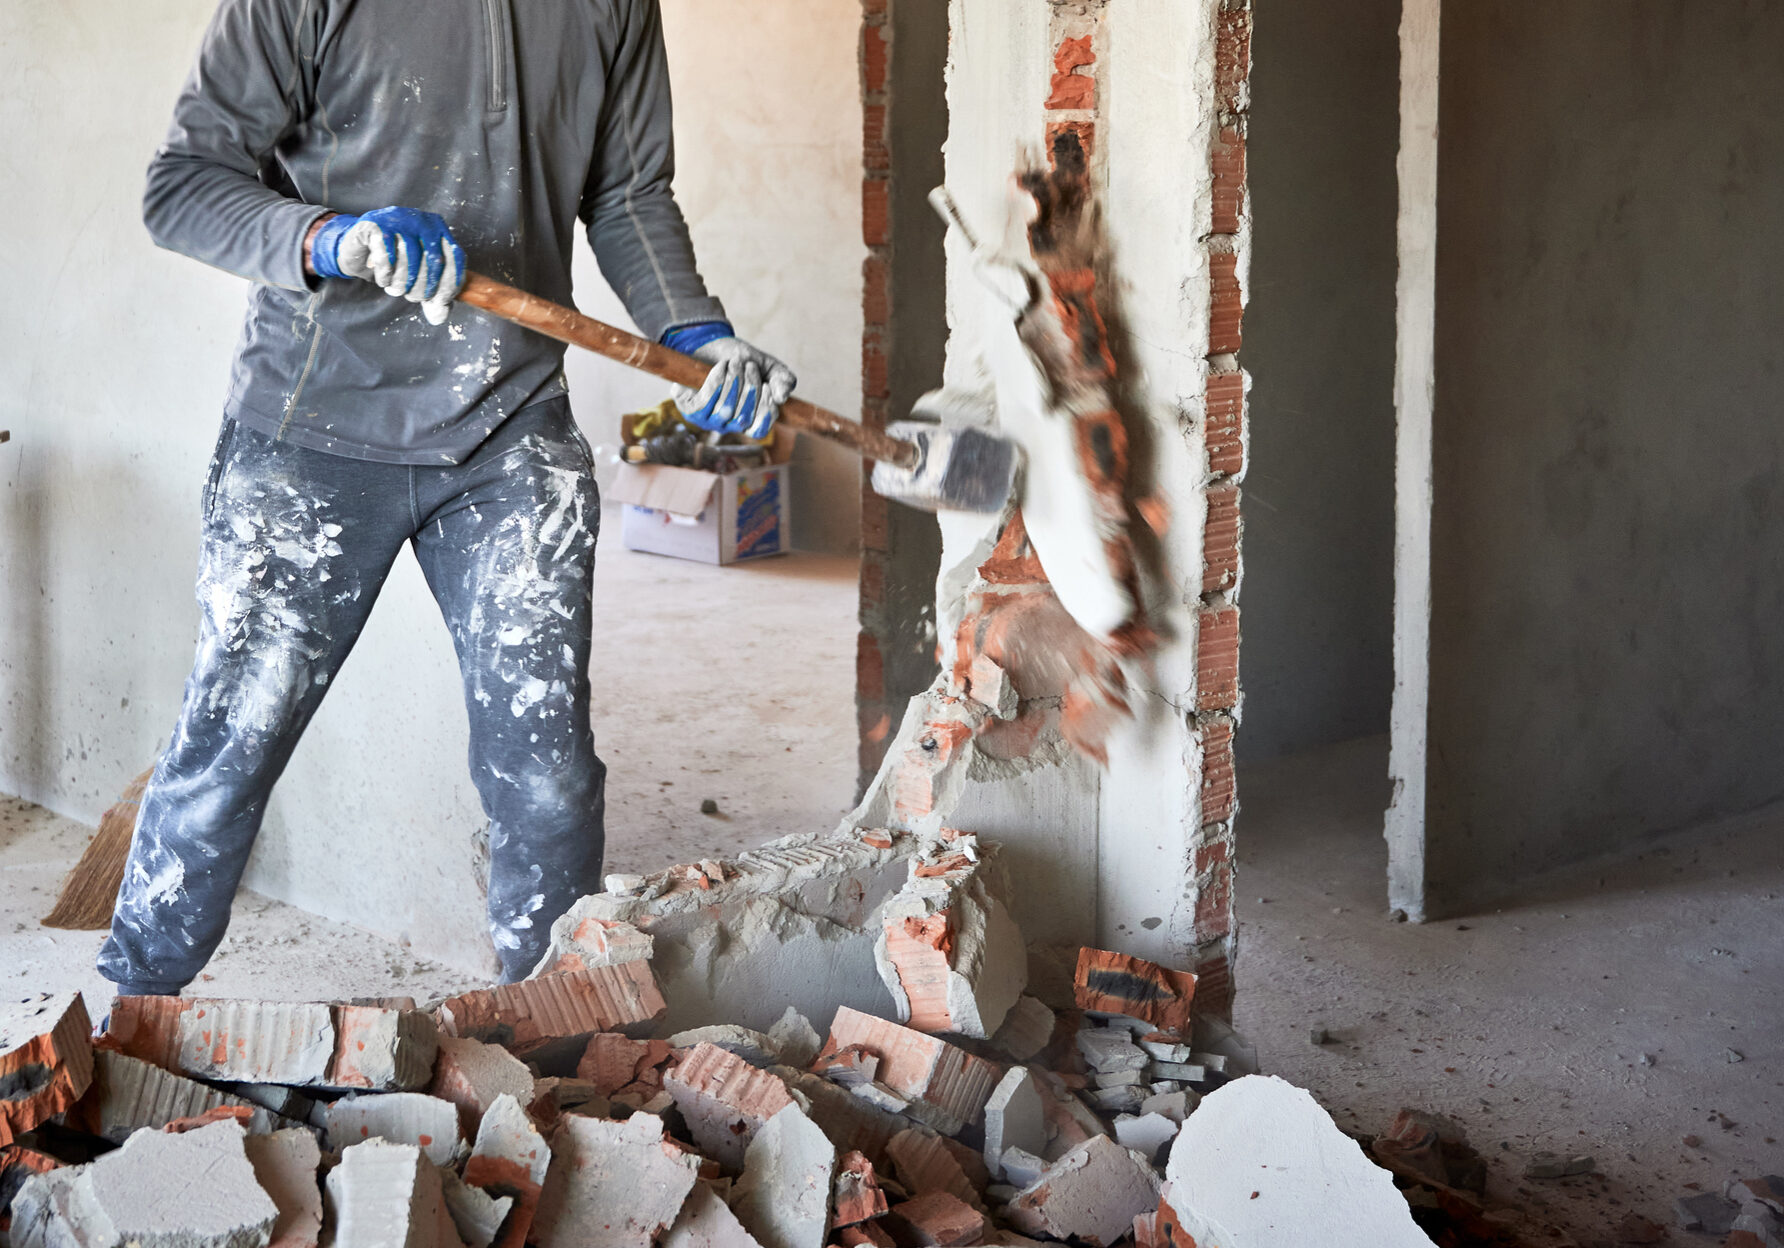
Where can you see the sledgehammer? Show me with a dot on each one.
(931, 467)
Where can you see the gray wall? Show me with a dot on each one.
(1607, 634)
(1319, 343)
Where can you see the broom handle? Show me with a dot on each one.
(568, 325)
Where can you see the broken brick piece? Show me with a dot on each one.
(510, 1159)
(46, 1060)
(257, 1041)
(1114, 983)
(241, 1115)
(610, 1061)
(382, 1049)
(864, 1235)
(939, 1220)
(590, 942)
(18, 1163)
(858, 1197)
(471, 1074)
(923, 1164)
(947, 1087)
(146, 1028)
(129, 1094)
(724, 1100)
(612, 1184)
(553, 1016)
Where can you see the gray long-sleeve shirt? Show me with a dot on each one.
(510, 120)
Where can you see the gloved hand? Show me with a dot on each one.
(745, 389)
(408, 252)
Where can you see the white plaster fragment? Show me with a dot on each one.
(612, 1184)
(1313, 1184)
(427, 1122)
(783, 1198)
(1014, 1118)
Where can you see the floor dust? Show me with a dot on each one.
(1528, 1024)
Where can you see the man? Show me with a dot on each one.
(321, 142)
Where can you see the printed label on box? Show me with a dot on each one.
(759, 517)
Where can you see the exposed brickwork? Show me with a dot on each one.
(1224, 437)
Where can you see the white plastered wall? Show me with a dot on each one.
(1106, 856)
(112, 373)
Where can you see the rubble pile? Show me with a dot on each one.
(659, 1081)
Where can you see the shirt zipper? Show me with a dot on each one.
(496, 18)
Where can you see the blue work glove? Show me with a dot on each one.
(745, 389)
(408, 252)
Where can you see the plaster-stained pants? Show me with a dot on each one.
(296, 545)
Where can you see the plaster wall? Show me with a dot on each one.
(1108, 856)
(1607, 526)
(1319, 338)
(113, 371)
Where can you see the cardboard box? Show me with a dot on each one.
(711, 517)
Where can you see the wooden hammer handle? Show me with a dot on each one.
(568, 325)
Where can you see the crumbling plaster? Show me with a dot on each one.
(1107, 856)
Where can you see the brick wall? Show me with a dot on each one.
(1224, 415)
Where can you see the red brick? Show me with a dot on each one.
(876, 290)
(923, 1162)
(556, 1011)
(1114, 983)
(46, 1048)
(1227, 162)
(876, 212)
(938, 1220)
(1082, 131)
(1220, 539)
(875, 155)
(1226, 304)
(873, 59)
(873, 519)
(950, 1081)
(1225, 429)
(1072, 91)
(870, 667)
(1219, 786)
(1073, 54)
(1211, 855)
(1217, 659)
(1232, 57)
(864, 1235)
(919, 950)
(1214, 977)
(875, 377)
(858, 1197)
(1214, 904)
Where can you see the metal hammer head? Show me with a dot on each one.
(959, 468)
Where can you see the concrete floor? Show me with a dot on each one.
(1529, 1024)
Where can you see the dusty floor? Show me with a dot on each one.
(1528, 1024)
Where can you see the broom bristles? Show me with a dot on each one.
(91, 890)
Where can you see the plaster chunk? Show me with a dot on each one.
(386, 1195)
(612, 1184)
(1145, 1133)
(427, 1122)
(752, 1046)
(471, 1074)
(143, 1195)
(923, 1163)
(705, 1221)
(783, 1199)
(1026, 1029)
(476, 1215)
(382, 1048)
(1108, 1049)
(1092, 1194)
(1015, 1117)
(795, 1039)
(1313, 1183)
(285, 1164)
